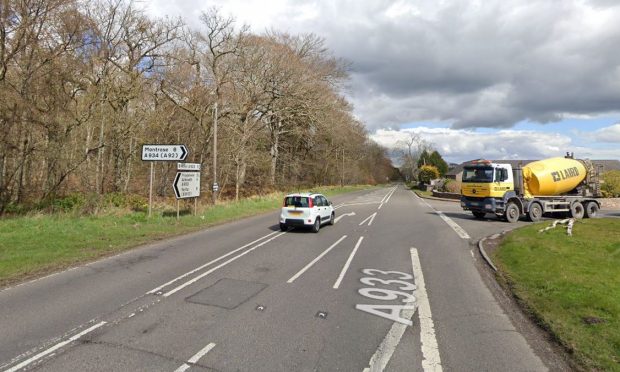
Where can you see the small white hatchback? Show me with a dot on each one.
(306, 210)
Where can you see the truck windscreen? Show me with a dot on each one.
(478, 174)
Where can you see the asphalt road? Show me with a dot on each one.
(391, 286)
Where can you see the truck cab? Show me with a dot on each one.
(484, 187)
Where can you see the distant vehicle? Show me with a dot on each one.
(306, 210)
(564, 185)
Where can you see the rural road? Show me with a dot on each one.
(391, 286)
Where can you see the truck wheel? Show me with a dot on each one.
(577, 210)
(479, 214)
(512, 212)
(591, 209)
(535, 213)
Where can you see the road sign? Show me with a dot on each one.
(188, 166)
(186, 185)
(216, 187)
(164, 152)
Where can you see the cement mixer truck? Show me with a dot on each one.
(551, 186)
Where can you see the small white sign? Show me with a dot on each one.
(164, 152)
(186, 185)
(188, 166)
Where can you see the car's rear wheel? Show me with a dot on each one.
(332, 218)
(283, 227)
(317, 225)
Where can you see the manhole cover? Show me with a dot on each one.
(227, 293)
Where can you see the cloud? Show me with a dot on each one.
(458, 145)
(609, 134)
(470, 64)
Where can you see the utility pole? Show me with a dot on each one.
(215, 185)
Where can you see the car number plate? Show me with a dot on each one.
(294, 212)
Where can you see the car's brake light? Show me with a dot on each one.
(310, 202)
(284, 202)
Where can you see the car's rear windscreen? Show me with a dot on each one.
(296, 201)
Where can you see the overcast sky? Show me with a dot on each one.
(494, 78)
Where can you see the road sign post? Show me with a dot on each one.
(154, 153)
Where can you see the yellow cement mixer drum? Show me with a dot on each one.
(553, 176)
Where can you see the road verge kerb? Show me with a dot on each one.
(484, 254)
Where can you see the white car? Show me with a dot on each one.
(306, 210)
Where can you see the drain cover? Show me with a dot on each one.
(227, 293)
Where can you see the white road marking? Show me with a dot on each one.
(348, 263)
(342, 215)
(192, 281)
(389, 197)
(430, 348)
(194, 359)
(360, 203)
(384, 352)
(371, 218)
(458, 229)
(54, 348)
(294, 277)
(155, 290)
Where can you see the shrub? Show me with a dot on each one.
(611, 185)
(428, 173)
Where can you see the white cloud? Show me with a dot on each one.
(458, 145)
(608, 134)
(489, 63)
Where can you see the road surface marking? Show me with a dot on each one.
(457, 229)
(192, 281)
(54, 348)
(430, 350)
(389, 197)
(294, 277)
(155, 290)
(371, 218)
(360, 203)
(384, 352)
(194, 359)
(346, 265)
(342, 215)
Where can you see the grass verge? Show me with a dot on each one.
(571, 285)
(32, 246)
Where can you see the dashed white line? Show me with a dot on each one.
(430, 349)
(371, 218)
(194, 359)
(348, 263)
(155, 290)
(194, 280)
(294, 277)
(53, 348)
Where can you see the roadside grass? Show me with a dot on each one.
(36, 245)
(571, 285)
(419, 191)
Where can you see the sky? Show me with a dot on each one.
(496, 79)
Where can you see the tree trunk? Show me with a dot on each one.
(275, 152)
